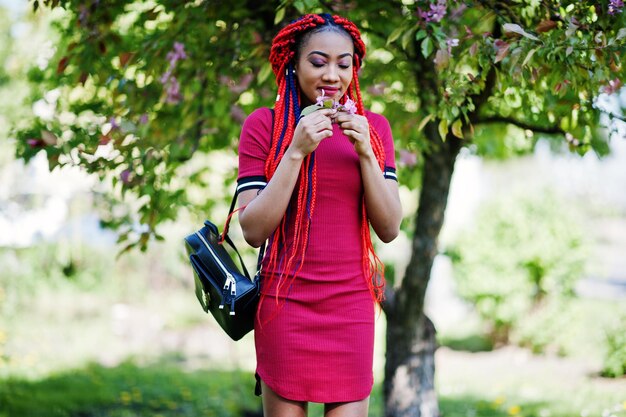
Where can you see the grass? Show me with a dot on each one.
(512, 382)
(157, 389)
(130, 340)
(163, 388)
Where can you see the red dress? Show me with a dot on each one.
(319, 345)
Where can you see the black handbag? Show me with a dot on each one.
(222, 289)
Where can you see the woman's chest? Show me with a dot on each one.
(338, 169)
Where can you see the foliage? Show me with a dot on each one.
(144, 87)
(573, 327)
(522, 250)
(15, 59)
(615, 359)
(174, 383)
(162, 388)
(131, 390)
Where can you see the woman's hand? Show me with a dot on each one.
(357, 129)
(310, 131)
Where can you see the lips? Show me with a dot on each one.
(329, 91)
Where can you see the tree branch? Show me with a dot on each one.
(553, 130)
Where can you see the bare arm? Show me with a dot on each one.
(264, 210)
(382, 198)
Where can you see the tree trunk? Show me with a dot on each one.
(409, 388)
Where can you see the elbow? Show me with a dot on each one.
(252, 237)
(252, 230)
(252, 240)
(390, 229)
(387, 236)
(388, 232)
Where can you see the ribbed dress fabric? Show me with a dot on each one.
(318, 346)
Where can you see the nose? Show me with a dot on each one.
(331, 74)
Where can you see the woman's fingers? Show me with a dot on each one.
(312, 129)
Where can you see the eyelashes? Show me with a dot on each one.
(317, 64)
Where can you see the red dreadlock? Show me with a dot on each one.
(286, 111)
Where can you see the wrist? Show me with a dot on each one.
(294, 155)
(367, 156)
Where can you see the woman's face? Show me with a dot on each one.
(325, 63)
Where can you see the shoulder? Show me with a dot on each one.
(378, 120)
(261, 116)
(257, 128)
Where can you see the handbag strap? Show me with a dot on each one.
(243, 265)
(232, 211)
(224, 237)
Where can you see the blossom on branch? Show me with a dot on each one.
(612, 87)
(171, 84)
(616, 6)
(435, 13)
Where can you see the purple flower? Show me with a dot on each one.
(408, 158)
(238, 114)
(613, 86)
(350, 106)
(616, 6)
(34, 143)
(452, 42)
(173, 92)
(113, 123)
(180, 50)
(125, 176)
(166, 77)
(436, 12)
(143, 119)
(177, 54)
(320, 99)
(377, 89)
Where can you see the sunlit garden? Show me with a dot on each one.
(104, 170)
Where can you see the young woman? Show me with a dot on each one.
(313, 185)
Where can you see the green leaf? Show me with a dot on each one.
(280, 15)
(309, 109)
(529, 56)
(427, 47)
(265, 72)
(395, 35)
(512, 27)
(424, 121)
(457, 129)
(406, 38)
(421, 34)
(443, 129)
(299, 5)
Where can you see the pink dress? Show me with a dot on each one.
(319, 346)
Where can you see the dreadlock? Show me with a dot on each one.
(283, 54)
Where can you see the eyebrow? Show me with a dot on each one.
(325, 55)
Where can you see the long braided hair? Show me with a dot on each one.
(283, 53)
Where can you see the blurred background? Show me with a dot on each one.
(528, 294)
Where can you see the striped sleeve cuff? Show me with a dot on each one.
(390, 173)
(251, 183)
